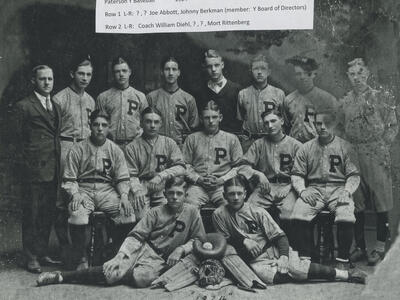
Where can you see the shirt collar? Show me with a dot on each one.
(220, 84)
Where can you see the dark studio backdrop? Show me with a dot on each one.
(51, 32)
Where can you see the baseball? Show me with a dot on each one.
(207, 245)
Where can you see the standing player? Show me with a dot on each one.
(123, 103)
(221, 90)
(301, 105)
(325, 163)
(256, 99)
(371, 125)
(162, 238)
(273, 156)
(178, 108)
(37, 126)
(264, 246)
(209, 156)
(96, 178)
(152, 159)
(76, 106)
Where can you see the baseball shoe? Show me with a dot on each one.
(357, 276)
(33, 266)
(375, 257)
(48, 261)
(83, 264)
(358, 254)
(47, 278)
(346, 266)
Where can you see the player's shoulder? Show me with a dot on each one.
(195, 136)
(135, 143)
(276, 90)
(221, 210)
(166, 140)
(154, 93)
(322, 93)
(190, 210)
(227, 135)
(291, 97)
(309, 145)
(291, 140)
(246, 90)
(107, 94)
(113, 146)
(138, 93)
(185, 94)
(60, 96)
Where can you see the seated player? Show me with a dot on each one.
(273, 156)
(209, 156)
(162, 238)
(96, 178)
(151, 158)
(256, 99)
(264, 246)
(178, 108)
(326, 164)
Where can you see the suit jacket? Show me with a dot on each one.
(39, 139)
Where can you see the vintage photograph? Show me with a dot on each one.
(199, 165)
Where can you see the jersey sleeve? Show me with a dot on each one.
(300, 162)
(389, 118)
(188, 150)
(269, 226)
(251, 157)
(350, 161)
(145, 226)
(220, 225)
(133, 168)
(193, 113)
(58, 100)
(240, 111)
(236, 151)
(71, 169)
(121, 174)
(143, 102)
(196, 231)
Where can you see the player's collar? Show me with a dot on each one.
(124, 89)
(306, 92)
(171, 92)
(76, 92)
(256, 88)
(327, 143)
(276, 142)
(211, 134)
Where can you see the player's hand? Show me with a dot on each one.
(252, 246)
(214, 181)
(126, 206)
(264, 184)
(155, 184)
(204, 181)
(175, 256)
(310, 196)
(139, 200)
(344, 198)
(283, 192)
(283, 264)
(77, 200)
(115, 268)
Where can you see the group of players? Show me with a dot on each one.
(151, 162)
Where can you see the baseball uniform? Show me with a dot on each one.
(209, 155)
(124, 107)
(225, 94)
(299, 109)
(155, 237)
(100, 175)
(75, 112)
(371, 125)
(326, 169)
(178, 111)
(147, 158)
(255, 223)
(275, 160)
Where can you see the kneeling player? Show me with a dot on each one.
(158, 241)
(264, 246)
(325, 163)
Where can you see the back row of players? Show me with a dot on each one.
(302, 173)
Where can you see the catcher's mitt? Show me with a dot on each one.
(211, 272)
(212, 245)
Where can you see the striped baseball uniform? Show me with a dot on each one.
(155, 237)
(300, 108)
(255, 223)
(326, 168)
(209, 155)
(178, 111)
(252, 102)
(124, 107)
(371, 125)
(100, 175)
(275, 160)
(145, 159)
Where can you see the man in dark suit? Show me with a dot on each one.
(37, 126)
(221, 90)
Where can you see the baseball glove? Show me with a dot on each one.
(211, 272)
(212, 245)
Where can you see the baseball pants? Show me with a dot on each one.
(198, 196)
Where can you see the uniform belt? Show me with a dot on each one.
(70, 139)
(146, 177)
(320, 181)
(277, 179)
(93, 180)
(123, 142)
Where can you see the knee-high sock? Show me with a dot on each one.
(304, 237)
(345, 238)
(359, 235)
(286, 226)
(382, 226)
(79, 239)
(92, 275)
(318, 271)
(61, 227)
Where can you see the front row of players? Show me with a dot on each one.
(163, 239)
(97, 177)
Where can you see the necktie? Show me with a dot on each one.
(49, 107)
